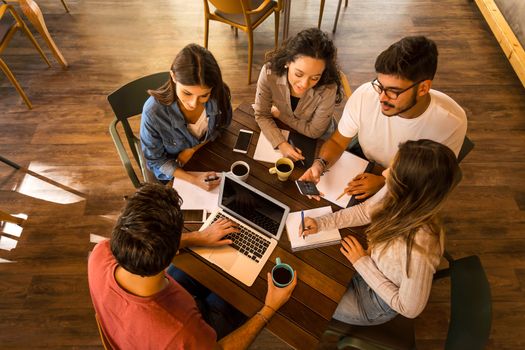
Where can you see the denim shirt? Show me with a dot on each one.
(164, 134)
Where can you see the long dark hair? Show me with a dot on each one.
(195, 65)
(313, 43)
(421, 177)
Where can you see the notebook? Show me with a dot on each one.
(317, 240)
(334, 181)
(261, 221)
(264, 151)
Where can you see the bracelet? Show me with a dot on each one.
(262, 316)
(324, 164)
(271, 308)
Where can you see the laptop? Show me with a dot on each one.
(261, 221)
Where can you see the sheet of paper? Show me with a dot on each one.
(292, 228)
(264, 152)
(334, 181)
(194, 197)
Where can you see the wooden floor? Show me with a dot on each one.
(44, 299)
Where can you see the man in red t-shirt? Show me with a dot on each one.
(139, 305)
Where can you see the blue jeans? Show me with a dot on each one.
(362, 306)
(220, 315)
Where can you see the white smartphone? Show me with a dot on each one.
(243, 141)
(194, 216)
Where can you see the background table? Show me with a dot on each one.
(323, 273)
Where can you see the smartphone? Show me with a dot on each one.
(307, 188)
(194, 216)
(243, 141)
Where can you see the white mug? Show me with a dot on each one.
(240, 170)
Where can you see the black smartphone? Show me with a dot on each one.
(307, 188)
(194, 216)
(243, 141)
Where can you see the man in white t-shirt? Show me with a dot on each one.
(398, 105)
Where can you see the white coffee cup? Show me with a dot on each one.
(240, 170)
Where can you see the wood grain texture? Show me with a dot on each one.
(108, 43)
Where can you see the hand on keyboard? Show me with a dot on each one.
(213, 235)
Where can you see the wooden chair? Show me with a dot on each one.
(470, 316)
(127, 102)
(105, 341)
(245, 15)
(346, 85)
(321, 10)
(10, 22)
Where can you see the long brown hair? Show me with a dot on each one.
(421, 177)
(195, 65)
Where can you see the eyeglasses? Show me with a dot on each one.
(390, 93)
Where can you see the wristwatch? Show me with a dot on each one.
(323, 163)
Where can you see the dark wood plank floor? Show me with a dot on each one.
(44, 299)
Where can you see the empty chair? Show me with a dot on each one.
(245, 15)
(10, 23)
(127, 102)
(321, 10)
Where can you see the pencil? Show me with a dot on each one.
(341, 195)
(211, 179)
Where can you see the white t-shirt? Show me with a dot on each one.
(200, 127)
(444, 121)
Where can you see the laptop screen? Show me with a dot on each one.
(253, 207)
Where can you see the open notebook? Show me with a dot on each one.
(334, 181)
(317, 240)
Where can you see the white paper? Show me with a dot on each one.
(194, 197)
(334, 181)
(264, 152)
(319, 239)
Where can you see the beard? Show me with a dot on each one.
(401, 109)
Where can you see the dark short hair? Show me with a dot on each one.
(147, 234)
(413, 58)
(311, 42)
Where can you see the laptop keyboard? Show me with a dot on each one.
(246, 242)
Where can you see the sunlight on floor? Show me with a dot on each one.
(53, 189)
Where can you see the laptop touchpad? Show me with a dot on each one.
(224, 257)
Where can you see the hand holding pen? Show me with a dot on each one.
(207, 180)
(309, 224)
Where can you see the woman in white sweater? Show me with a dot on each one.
(405, 240)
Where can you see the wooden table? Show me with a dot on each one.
(323, 273)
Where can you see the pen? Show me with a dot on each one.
(302, 222)
(295, 148)
(211, 179)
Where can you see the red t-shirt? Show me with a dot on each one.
(169, 319)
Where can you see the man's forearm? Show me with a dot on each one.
(243, 336)
(190, 239)
(331, 152)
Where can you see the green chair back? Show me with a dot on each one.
(127, 102)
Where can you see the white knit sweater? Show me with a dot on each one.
(385, 269)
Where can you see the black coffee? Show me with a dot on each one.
(284, 168)
(239, 170)
(282, 275)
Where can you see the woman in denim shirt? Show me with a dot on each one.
(299, 85)
(189, 110)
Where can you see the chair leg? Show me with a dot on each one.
(337, 15)
(276, 29)
(250, 55)
(35, 44)
(321, 10)
(10, 218)
(206, 28)
(33, 13)
(67, 8)
(346, 3)
(13, 80)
